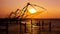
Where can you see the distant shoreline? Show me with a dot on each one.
(29, 19)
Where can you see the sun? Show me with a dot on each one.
(32, 10)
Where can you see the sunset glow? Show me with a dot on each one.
(32, 10)
(52, 6)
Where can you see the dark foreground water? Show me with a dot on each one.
(33, 26)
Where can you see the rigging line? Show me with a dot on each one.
(11, 13)
(24, 8)
(23, 12)
(16, 11)
(33, 7)
(39, 6)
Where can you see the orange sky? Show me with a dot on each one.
(52, 6)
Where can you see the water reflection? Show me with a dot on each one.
(31, 26)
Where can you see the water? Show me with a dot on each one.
(35, 27)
